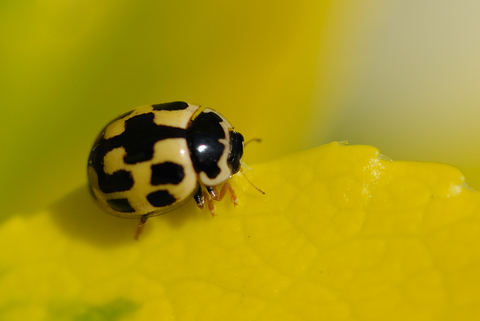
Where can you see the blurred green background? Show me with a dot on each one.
(399, 75)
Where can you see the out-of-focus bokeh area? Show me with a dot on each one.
(402, 76)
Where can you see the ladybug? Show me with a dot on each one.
(154, 158)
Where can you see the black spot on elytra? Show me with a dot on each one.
(140, 134)
(203, 137)
(138, 140)
(161, 198)
(118, 181)
(120, 205)
(176, 105)
(167, 173)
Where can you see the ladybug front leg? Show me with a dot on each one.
(209, 199)
(201, 197)
(212, 190)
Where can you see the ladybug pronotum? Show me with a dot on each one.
(152, 159)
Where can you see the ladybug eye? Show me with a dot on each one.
(236, 151)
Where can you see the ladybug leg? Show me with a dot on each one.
(141, 223)
(219, 196)
(199, 197)
(209, 199)
(233, 196)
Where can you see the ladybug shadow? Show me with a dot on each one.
(79, 216)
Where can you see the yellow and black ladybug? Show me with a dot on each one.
(152, 159)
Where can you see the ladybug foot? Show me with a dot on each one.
(201, 197)
(218, 197)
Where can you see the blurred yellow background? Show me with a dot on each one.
(365, 237)
(399, 75)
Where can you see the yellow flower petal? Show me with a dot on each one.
(341, 234)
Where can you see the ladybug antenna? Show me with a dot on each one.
(258, 189)
(258, 140)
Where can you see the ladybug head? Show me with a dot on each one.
(236, 151)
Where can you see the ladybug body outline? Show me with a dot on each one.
(154, 158)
